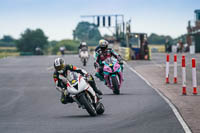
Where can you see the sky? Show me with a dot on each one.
(58, 18)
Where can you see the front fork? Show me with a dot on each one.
(79, 104)
(88, 96)
(108, 80)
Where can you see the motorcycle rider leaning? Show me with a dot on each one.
(103, 52)
(61, 70)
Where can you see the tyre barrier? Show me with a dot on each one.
(124, 52)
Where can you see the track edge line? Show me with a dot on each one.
(174, 109)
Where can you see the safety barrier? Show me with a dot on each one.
(26, 53)
(124, 52)
(157, 48)
(175, 69)
(167, 69)
(183, 67)
(183, 76)
(194, 76)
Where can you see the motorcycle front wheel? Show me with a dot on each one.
(84, 62)
(88, 105)
(115, 84)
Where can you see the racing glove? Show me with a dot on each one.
(121, 62)
(66, 92)
(59, 89)
(95, 65)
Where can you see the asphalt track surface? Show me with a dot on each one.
(29, 103)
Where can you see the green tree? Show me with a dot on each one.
(87, 32)
(180, 38)
(31, 39)
(158, 39)
(7, 38)
(7, 41)
(70, 45)
(53, 43)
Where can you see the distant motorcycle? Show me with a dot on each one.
(62, 50)
(113, 74)
(83, 94)
(84, 55)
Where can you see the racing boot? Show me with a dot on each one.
(105, 82)
(93, 85)
(98, 97)
(96, 90)
(66, 99)
(98, 75)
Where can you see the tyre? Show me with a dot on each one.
(115, 84)
(100, 108)
(88, 105)
(84, 62)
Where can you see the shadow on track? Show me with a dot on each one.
(121, 94)
(79, 116)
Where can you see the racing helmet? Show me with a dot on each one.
(103, 44)
(84, 44)
(59, 65)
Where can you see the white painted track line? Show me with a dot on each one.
(174, 109)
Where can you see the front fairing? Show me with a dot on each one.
(111, 66)
(77, 84)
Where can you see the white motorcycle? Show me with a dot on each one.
(84, 55)
(83, 94)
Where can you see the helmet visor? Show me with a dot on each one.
(58, 68)
(103, 47)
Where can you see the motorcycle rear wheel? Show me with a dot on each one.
(100, 108)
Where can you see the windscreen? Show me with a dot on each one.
(109, 61)
(72, 76)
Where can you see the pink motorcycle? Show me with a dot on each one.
(113, 74)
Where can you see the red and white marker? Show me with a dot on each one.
(183, 76)
(194, 76)
(167, 69)
(175, 69)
